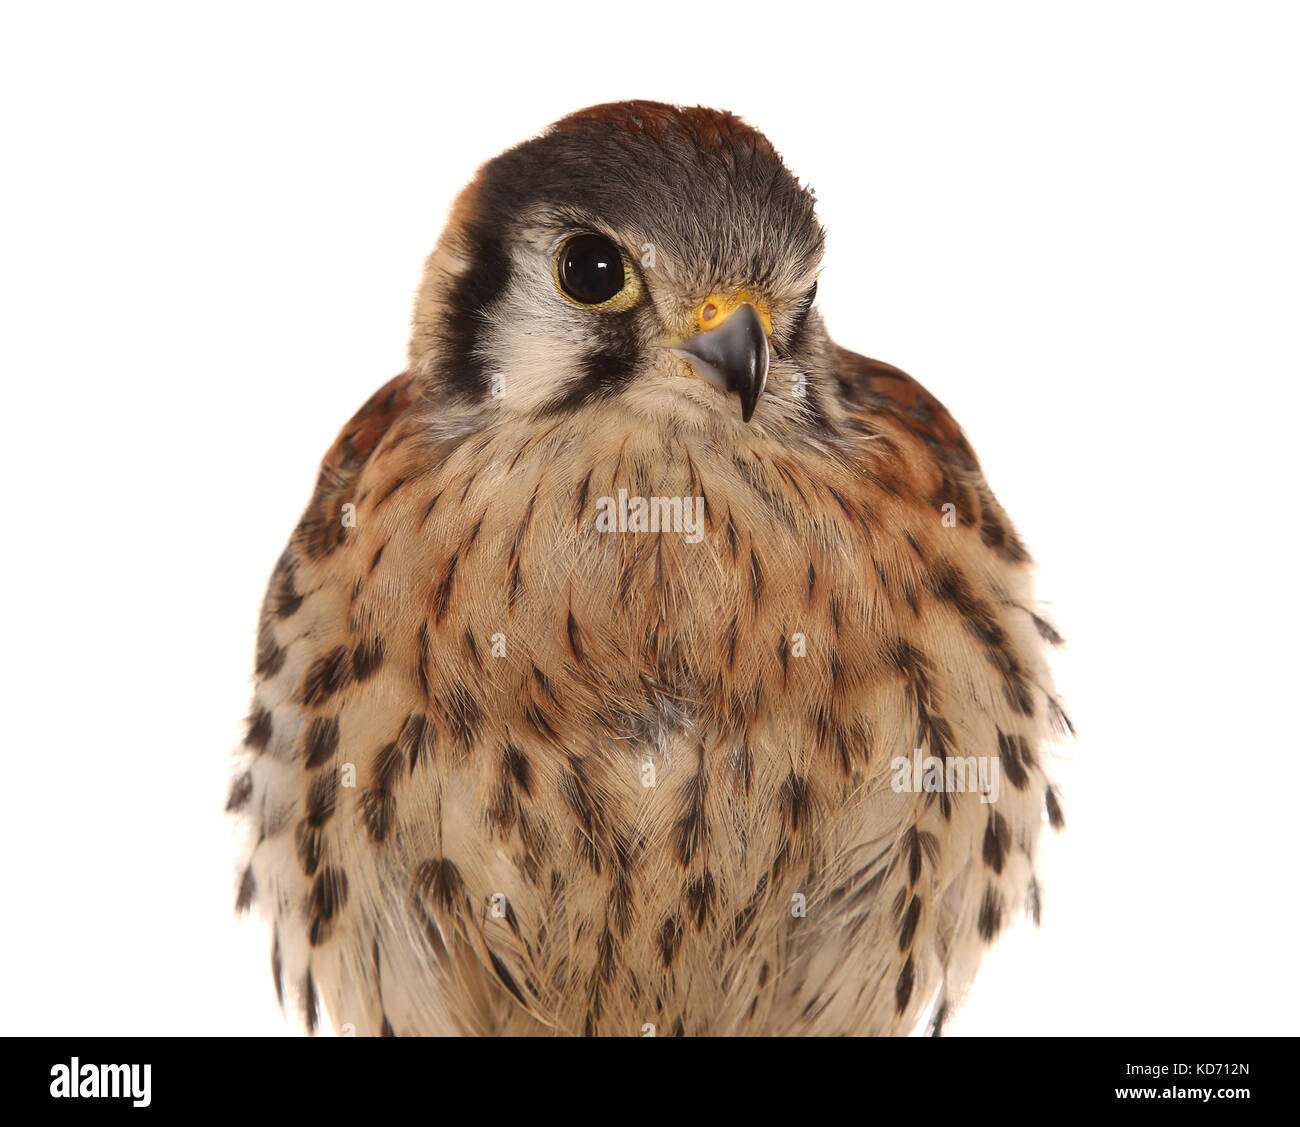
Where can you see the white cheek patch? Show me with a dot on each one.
(537, 341)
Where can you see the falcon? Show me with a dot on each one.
(644, 662)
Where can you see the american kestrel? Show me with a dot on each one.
(644, 662)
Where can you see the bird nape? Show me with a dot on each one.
(643, 662)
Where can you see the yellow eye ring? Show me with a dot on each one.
(592, 272)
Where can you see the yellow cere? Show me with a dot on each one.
(716, 308)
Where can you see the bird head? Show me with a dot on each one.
(660, 257)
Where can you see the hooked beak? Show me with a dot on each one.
(733, 355)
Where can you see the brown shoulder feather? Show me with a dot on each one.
(321, 529)
(882, 387)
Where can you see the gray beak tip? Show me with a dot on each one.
(733, 357)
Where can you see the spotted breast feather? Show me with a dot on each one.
(512, 772)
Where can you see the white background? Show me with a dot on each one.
(1077, 224)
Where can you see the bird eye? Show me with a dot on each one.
(590, 269)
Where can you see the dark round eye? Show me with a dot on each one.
(590, 269)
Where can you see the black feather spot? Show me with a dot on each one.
(310, 1005)
(903, 989)
(990, 919)
(247, 890)
(907, 929)
(367, 658)
(322, 741)
(1055, 815)
(259, 729)
(997, 841)
(326, 676)
(241, 790)
(440, 881)
(329, 893)
(321, 796)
